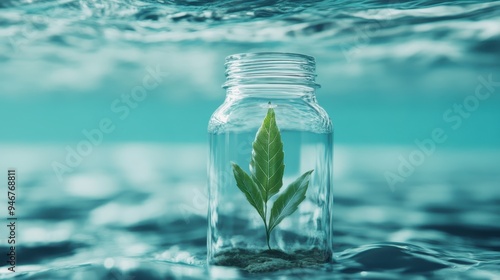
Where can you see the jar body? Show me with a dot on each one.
(236, 232)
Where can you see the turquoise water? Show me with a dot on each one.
(104, 108)
(129, 210)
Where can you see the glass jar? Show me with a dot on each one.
(265, 90)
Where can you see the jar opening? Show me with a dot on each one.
(270, 68)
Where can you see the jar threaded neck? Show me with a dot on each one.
(270, 68)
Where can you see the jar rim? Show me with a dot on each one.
(270, 68)
(270, 55)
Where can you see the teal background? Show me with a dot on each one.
(370, 102)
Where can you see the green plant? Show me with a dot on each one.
(266, 179)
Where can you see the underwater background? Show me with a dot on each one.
(104, 108)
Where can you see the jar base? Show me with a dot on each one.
(258, 261)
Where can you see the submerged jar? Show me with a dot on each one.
(270, 166)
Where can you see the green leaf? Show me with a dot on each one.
(249, 188)
(288, 201)
(267, 165)
(267, 169)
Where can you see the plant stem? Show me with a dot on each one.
(267, 236)
(265, 225)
